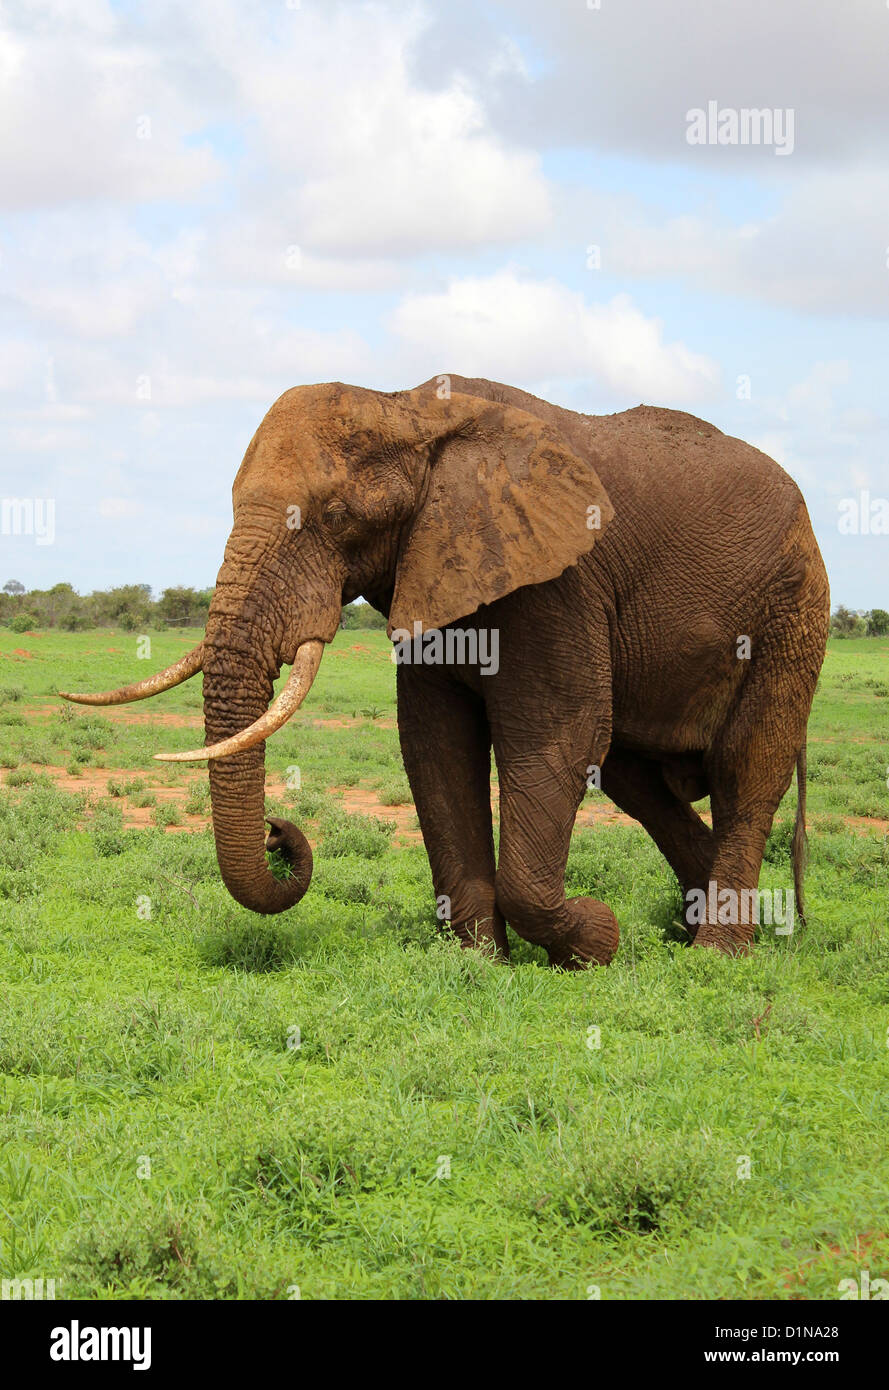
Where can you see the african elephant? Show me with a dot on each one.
(661, 608)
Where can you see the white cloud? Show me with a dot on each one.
(120, 508)
(368, 161)
(90, 112)
(824, 250)
(513, 329)
(622, 77)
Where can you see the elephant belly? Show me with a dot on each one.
(685, 776)
(681, 696)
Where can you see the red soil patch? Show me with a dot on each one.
(868, 1242)
(346, 721)
(865, 823)
(21, 653)
(366, 803)
(602, 813)
(121, 714)
(96, 779)
(361, 800)
(145, 714)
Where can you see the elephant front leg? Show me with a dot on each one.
(446, 747)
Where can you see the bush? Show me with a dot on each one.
(362, 835)
(361, 616)
(23, 622)
(198, 800)
(26, 777)
(91, 732)
(395, 792)
(108, 830)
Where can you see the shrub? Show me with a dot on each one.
(342, 833)
(23, 622)
(108, 830)
(395, 792)
(26, 777)
(307, 804)
(198, 800)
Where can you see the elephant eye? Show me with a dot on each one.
(335, 516)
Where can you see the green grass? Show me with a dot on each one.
(196, 1102)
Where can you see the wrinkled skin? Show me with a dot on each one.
(619, 558)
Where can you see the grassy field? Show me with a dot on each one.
(199, 1103)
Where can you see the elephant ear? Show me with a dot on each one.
(508, 503)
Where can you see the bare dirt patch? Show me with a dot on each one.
(357, 800)
(866, 823)
(120, 714)
(95, 780)
(870, 1242)
(602, 813)
(346, 721)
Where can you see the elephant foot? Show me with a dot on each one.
(592, 936)
(485, 934)
(719, 939)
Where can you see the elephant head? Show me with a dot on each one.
(428, 504)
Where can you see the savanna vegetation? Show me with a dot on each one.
(130, 607)
(196, 1102)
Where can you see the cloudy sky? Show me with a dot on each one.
(205, 204)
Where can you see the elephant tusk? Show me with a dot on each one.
(299, 683)
(181, 670)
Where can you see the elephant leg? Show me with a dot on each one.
(446, 747)
(540, 791)
(750, 768)
(636, 784)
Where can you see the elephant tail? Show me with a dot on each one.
(800, 852)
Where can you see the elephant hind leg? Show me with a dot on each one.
(751, 766)
(639, 787)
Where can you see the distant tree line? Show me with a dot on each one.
(130, 607)
(361, 615)
(845, 623)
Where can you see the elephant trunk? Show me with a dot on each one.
(251, 632)
(232, 701)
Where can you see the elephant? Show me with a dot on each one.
(661, 611)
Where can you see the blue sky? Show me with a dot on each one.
(205, 205)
